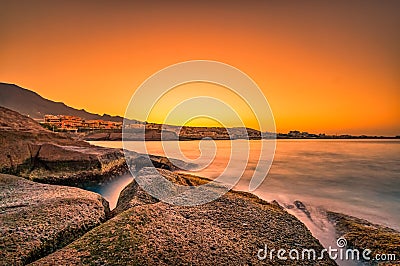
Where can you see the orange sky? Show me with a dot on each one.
(323, 67)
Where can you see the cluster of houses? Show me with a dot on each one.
(75, 123)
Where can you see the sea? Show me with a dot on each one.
(360, 178)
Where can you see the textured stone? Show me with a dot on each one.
(37, 219)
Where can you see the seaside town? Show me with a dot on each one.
(78, 124)
(75, 123)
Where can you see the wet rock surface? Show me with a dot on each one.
(300, 205)
(228, 231)
(37, 219)
(361, 234)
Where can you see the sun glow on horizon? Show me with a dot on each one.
(323, 67)
(183, 102)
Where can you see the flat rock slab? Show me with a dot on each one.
(36, 219)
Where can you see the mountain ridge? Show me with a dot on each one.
(32, 104)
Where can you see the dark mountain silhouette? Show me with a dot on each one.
(31, 104)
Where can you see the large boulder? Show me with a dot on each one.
(74, 165)
(37, 219)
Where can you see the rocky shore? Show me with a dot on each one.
(35, 153)
(30, 151)
(47, 224)
(229, 231)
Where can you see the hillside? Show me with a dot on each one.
(31, 104)
(35, 106)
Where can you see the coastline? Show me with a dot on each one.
(141, 229)
(113, 135)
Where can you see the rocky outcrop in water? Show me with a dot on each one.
(300, 205)
(37, 219)
(74, 165)
(229, 231)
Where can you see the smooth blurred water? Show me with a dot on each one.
(355, 177)
(111, 189)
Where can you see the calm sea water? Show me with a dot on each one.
(355, 177)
